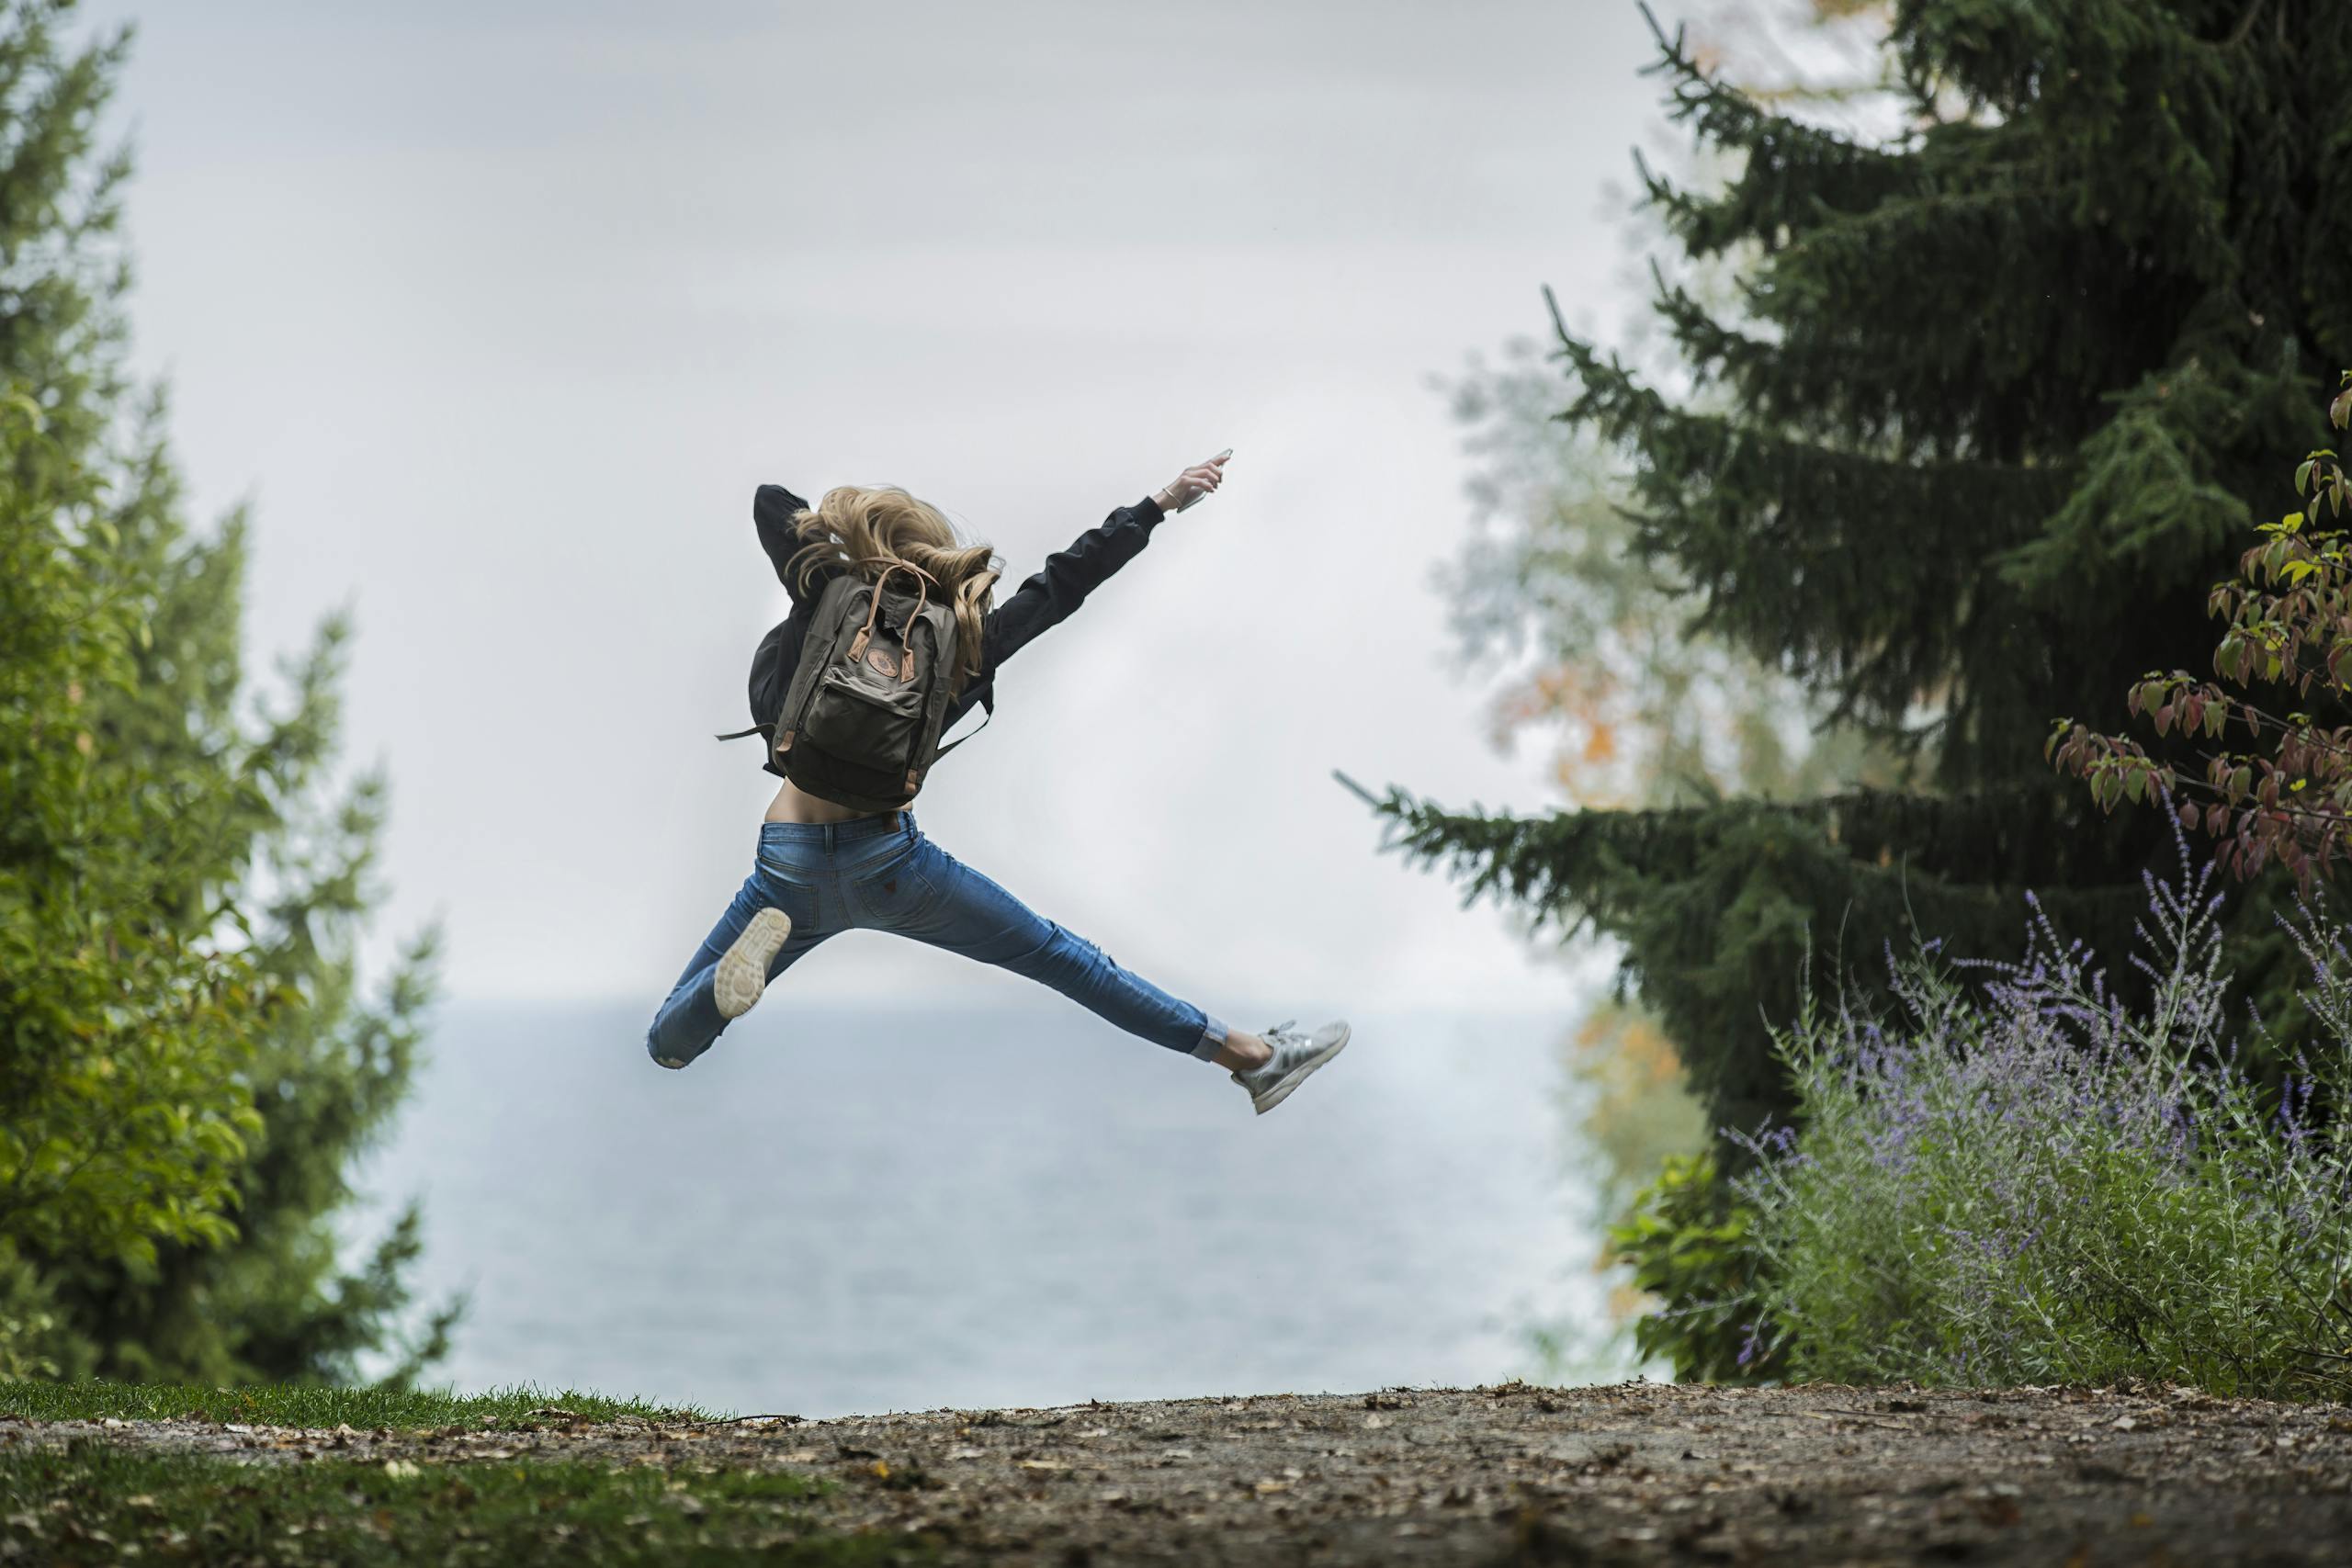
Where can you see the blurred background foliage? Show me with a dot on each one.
(1587, 651)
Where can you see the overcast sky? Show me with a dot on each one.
(499, 313)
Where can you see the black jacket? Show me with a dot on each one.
(1044, 600)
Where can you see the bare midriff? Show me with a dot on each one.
(791, 805)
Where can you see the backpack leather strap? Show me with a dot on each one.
(873, 608)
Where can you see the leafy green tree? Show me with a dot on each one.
(1969, 452)
(124, 1111)
(188, 1064)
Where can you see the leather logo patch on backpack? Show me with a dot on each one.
(881, 662)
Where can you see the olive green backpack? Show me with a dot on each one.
(861, 719)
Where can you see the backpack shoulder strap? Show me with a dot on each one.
(988, 712)
(961, 739)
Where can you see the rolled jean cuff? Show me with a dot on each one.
(1212, 1038)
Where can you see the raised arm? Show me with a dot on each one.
(1068, 575)
(773, 510)
(1046, 598)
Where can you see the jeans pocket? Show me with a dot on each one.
(894, 893)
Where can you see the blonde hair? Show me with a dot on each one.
(866, 528)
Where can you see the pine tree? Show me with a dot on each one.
(1999, 402)
(187, 1067)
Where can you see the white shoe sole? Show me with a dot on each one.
(743, 968)
(1297, 1074)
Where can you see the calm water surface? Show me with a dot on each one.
(1002, 1209)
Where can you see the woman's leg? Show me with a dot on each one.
(936, 898)
(690, 1020)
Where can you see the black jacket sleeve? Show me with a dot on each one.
(773, 510)
(1068, 576)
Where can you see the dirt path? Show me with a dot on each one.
(1634, 1473)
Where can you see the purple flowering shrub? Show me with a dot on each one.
(2013, 1177)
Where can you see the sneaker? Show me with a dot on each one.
(743, 971)
(1295, 1055)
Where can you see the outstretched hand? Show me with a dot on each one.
(1192, 483)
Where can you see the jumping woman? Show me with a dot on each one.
(825, 866)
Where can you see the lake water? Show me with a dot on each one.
(1020, 1208)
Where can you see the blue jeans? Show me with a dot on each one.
(881, 873)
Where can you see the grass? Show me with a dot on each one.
(90, 1502)
(506, 1410)
(93, 1500)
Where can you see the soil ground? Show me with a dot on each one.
(1632, 1473)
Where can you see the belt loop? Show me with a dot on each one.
(832, 843)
